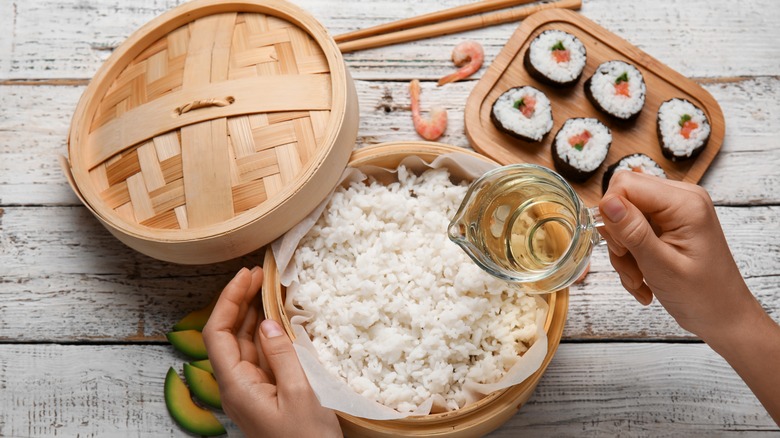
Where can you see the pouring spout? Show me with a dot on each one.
(457, 232)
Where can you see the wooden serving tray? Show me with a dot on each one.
(639, 135)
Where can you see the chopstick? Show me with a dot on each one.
(454, 26)
(433, 17)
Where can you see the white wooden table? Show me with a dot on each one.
(82, 318)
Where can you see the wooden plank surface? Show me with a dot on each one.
(83, 277)
(35, 119)
(70, 39)
(588, 390)
(69, 290)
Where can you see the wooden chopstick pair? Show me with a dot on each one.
(435, 24)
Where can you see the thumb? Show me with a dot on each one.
(628, 228)
(282, 359)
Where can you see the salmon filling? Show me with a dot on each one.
(579, 141)
(526, 106)
(687, 126)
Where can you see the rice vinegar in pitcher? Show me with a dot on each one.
(525, 224)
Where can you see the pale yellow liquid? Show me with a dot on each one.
(526, 226)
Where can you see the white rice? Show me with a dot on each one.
(593, 152)
(511, 118)
(602, 88)
(647, 165)
(669, 114)
(543, 61)
(400, 312)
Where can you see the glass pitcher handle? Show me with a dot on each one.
(596, 222)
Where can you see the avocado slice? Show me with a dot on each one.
(189, 415)
(196, 319)
(203, 385)
(189, 342)
(205, 365)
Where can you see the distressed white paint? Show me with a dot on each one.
(64, 276)
(588, 390)
(34, 124)
(64, 279)
(701, 38)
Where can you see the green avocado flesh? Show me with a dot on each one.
(205, 365)
(203, 385)
(196, 319)
(189, 342)
(189, 415)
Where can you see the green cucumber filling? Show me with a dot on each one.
(519, 103)
(684, 118)
(558, 46)
(622, 78)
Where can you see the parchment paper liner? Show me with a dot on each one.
(334, 393)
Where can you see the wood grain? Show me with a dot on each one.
(50, 390)
(34, 125)
(507, 71)
(49, 38)
(454, 26)
(430, 18)
(84, 277)
(588, 390)
(65, 279)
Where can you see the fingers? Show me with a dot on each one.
(663, 202)
(246, 332)
(614, 246)
(291, 381)
(262, 362)
(650, 194)
(631, 277)
(628, 228)
(219, 334)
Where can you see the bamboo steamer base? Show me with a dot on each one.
(473, 420)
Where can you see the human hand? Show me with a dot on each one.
(262, 385)
(665, 239)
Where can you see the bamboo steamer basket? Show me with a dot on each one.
(473, 420)
(212, 129)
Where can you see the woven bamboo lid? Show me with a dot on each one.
(213, 129)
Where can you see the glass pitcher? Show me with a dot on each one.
(525, 224)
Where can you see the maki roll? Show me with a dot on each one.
(579, 148)
(524, 113)
(555, 58)
(683, 129)
(618, 89)
(640, 163)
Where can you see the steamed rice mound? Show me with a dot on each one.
(400, 312)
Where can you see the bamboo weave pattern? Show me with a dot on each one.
(210, 171)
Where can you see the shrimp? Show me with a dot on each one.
(467, 55)
(428, 129)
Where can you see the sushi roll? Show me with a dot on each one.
(555, 58)
(524, 113)
(683, 129)
(640, 163)
(579, 148)
(617, 89)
